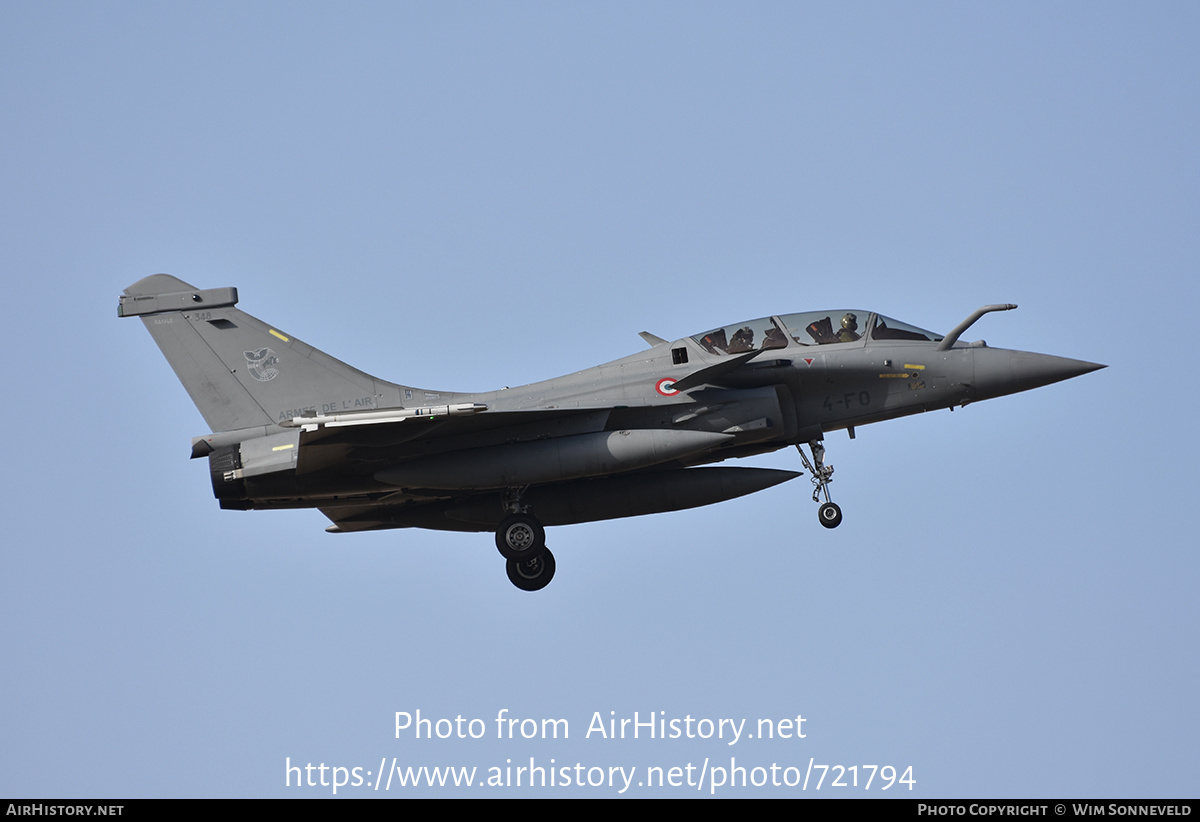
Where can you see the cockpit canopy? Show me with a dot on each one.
(809, 328)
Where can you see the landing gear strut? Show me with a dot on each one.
(521, 540)
(829, 513)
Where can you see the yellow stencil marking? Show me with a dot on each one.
(275, 333)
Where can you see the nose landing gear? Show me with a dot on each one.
(829, 514)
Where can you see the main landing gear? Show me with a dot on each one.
(521, 540)
(829, 513)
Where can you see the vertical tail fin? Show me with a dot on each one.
(239, 371)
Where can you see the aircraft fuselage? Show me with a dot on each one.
(295, 428)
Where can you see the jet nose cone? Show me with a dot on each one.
(1043, 369)
(999, 372)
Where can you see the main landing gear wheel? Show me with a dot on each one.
(830, 515)
(532, 574)
(520, 537)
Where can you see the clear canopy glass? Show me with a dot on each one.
(809, 328)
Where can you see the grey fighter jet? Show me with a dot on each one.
(296, 428)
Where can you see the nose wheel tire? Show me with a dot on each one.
(520, 537)
(532, 574)
(830, 515)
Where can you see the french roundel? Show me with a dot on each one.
(664, 387)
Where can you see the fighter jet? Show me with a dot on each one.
(292, 427)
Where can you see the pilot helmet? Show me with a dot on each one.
(850, 322)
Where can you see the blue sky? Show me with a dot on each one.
(465, 196)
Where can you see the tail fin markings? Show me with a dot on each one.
(240, 372)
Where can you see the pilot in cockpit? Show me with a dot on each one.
(849, 332)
